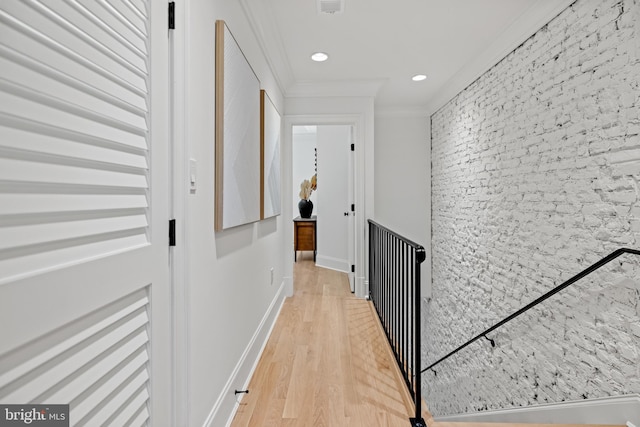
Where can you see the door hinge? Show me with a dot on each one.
(172, 15)
(353, 147)
(172, 232)
(353, 207)
(353, 268)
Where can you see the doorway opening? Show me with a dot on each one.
(323, 161)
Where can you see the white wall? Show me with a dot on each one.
(225, 291)
(403, 180)
(303, 167)
(535, 177)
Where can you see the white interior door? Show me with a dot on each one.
(84, 291)
(333, 196)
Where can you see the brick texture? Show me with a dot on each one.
(536, 176)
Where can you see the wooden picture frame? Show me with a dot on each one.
(237, 135)
(270, 175)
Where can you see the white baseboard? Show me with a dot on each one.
(226, 406)
(332, 263)
(606, 410)
(362, 287)
(288, 286)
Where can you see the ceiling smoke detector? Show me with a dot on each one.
(330, 6)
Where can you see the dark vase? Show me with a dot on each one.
(306, 208)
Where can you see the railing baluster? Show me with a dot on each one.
(396, 281)
(405, 330)
(411, 326)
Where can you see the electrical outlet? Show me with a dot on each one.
(193, 175)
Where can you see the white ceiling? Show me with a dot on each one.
(376, 46)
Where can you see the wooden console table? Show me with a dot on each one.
(304, 236)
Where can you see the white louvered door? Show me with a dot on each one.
(84, 259)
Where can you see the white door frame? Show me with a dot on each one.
(352, 198)
(358, 123)
(161, 405)
(179, 169)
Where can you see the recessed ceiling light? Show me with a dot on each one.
(418, 77)
(319, 56)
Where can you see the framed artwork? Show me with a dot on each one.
(270, 126)
(237, 135)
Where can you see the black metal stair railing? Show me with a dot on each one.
(394, 286)
(394, 289)
(552, 292)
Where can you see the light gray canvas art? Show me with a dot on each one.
(241, 188)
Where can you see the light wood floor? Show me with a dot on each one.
(326, 363)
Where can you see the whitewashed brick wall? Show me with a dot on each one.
(536, 176)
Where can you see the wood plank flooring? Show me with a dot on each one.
(326, 363)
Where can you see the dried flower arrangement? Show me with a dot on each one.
(307, 187)
(305, 190)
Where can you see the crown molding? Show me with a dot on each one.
(407, 113)
(355, 88)
(529, 23)
(270, 41)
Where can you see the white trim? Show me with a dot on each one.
(332, 263)
(606, 410)
(342, 88)
(288, 284)
(271, 44)
(537, 16)
(226, 405)
(180, 274)
(385, 112)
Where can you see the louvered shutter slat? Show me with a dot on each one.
(34, 234)
(115, 402)
(20, 204)
(83, 97)
(52, 111)
(76, 358)
(83, 405)
(21, 141)
(130, 409)
(25, 366)
(28, 171)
